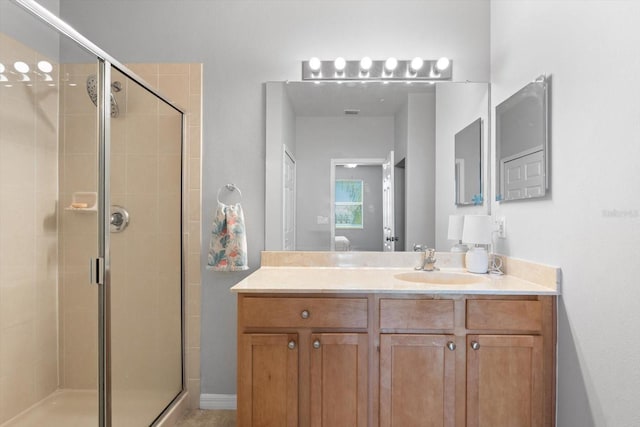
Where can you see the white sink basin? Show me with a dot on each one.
(441, 278)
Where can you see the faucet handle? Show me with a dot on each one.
(430, 252)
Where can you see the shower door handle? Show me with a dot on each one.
(97, 271)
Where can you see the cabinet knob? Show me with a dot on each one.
(475, 345)
(305, 314)
(451, 345)
(316, 344)
(291, 345)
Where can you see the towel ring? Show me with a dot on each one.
(230, 188)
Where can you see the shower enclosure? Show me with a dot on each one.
(91, 250)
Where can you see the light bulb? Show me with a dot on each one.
(391, 64)
(21, 67)
(443, 63)
(45, 66)
(416, 63)
(365, 63)
(339, 63)
(314, 64)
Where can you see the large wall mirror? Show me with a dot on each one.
(522, 150)
(368, 166)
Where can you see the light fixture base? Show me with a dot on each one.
(377, 71)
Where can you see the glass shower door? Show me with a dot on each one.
(145, 254)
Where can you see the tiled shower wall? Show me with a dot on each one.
(182, 83)
(28, 236)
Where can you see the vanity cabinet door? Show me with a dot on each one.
(417, 380)
(339, 380)
(268, 380)
(504, 381)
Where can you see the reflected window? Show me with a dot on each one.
(348, 203)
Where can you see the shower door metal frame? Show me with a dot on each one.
(104, 243)
(105, 63)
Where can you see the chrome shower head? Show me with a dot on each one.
(92, 91)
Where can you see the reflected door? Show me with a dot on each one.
(388, 207)
(289, 200)
(145, 257)
(523, 176)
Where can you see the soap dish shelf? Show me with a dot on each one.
(86, 197)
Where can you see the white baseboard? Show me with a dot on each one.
(218, 401)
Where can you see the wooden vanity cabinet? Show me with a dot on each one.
(417, 362)
(396, 360)
(504, 381)
(303, 361)
(510, 362)
(417, 380)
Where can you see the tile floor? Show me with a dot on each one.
(201, 418)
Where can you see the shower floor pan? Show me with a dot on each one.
(79, 408)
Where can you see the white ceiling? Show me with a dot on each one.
(326, 99)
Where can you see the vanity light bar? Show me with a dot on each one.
(368, 69)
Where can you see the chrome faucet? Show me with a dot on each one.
(428, 258)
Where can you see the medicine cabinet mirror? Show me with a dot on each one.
(522, 151)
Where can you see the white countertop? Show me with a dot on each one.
(378, 280)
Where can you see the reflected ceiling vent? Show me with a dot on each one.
(351, 112)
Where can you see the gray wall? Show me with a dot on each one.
(21, 25)
(280, 130)
(420, 174)
(245, 43)
(318, 140)
(590, 223)
(457, 106)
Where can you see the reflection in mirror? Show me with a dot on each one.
(468, 166)
(522, 143)
(357, 212)
(408, 129)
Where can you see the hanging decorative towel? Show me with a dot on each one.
(228, 246)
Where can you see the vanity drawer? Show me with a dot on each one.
(509, 315)
(416, 314)
(304, 312)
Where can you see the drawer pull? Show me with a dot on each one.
(305, 314)
(316, 344)
(451, 345)
(291, 345)
(475, 345)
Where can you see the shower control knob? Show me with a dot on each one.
(475, 345)
(119, 219)
(305, 314)
(291, 345)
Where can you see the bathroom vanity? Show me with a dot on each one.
(324, 339)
